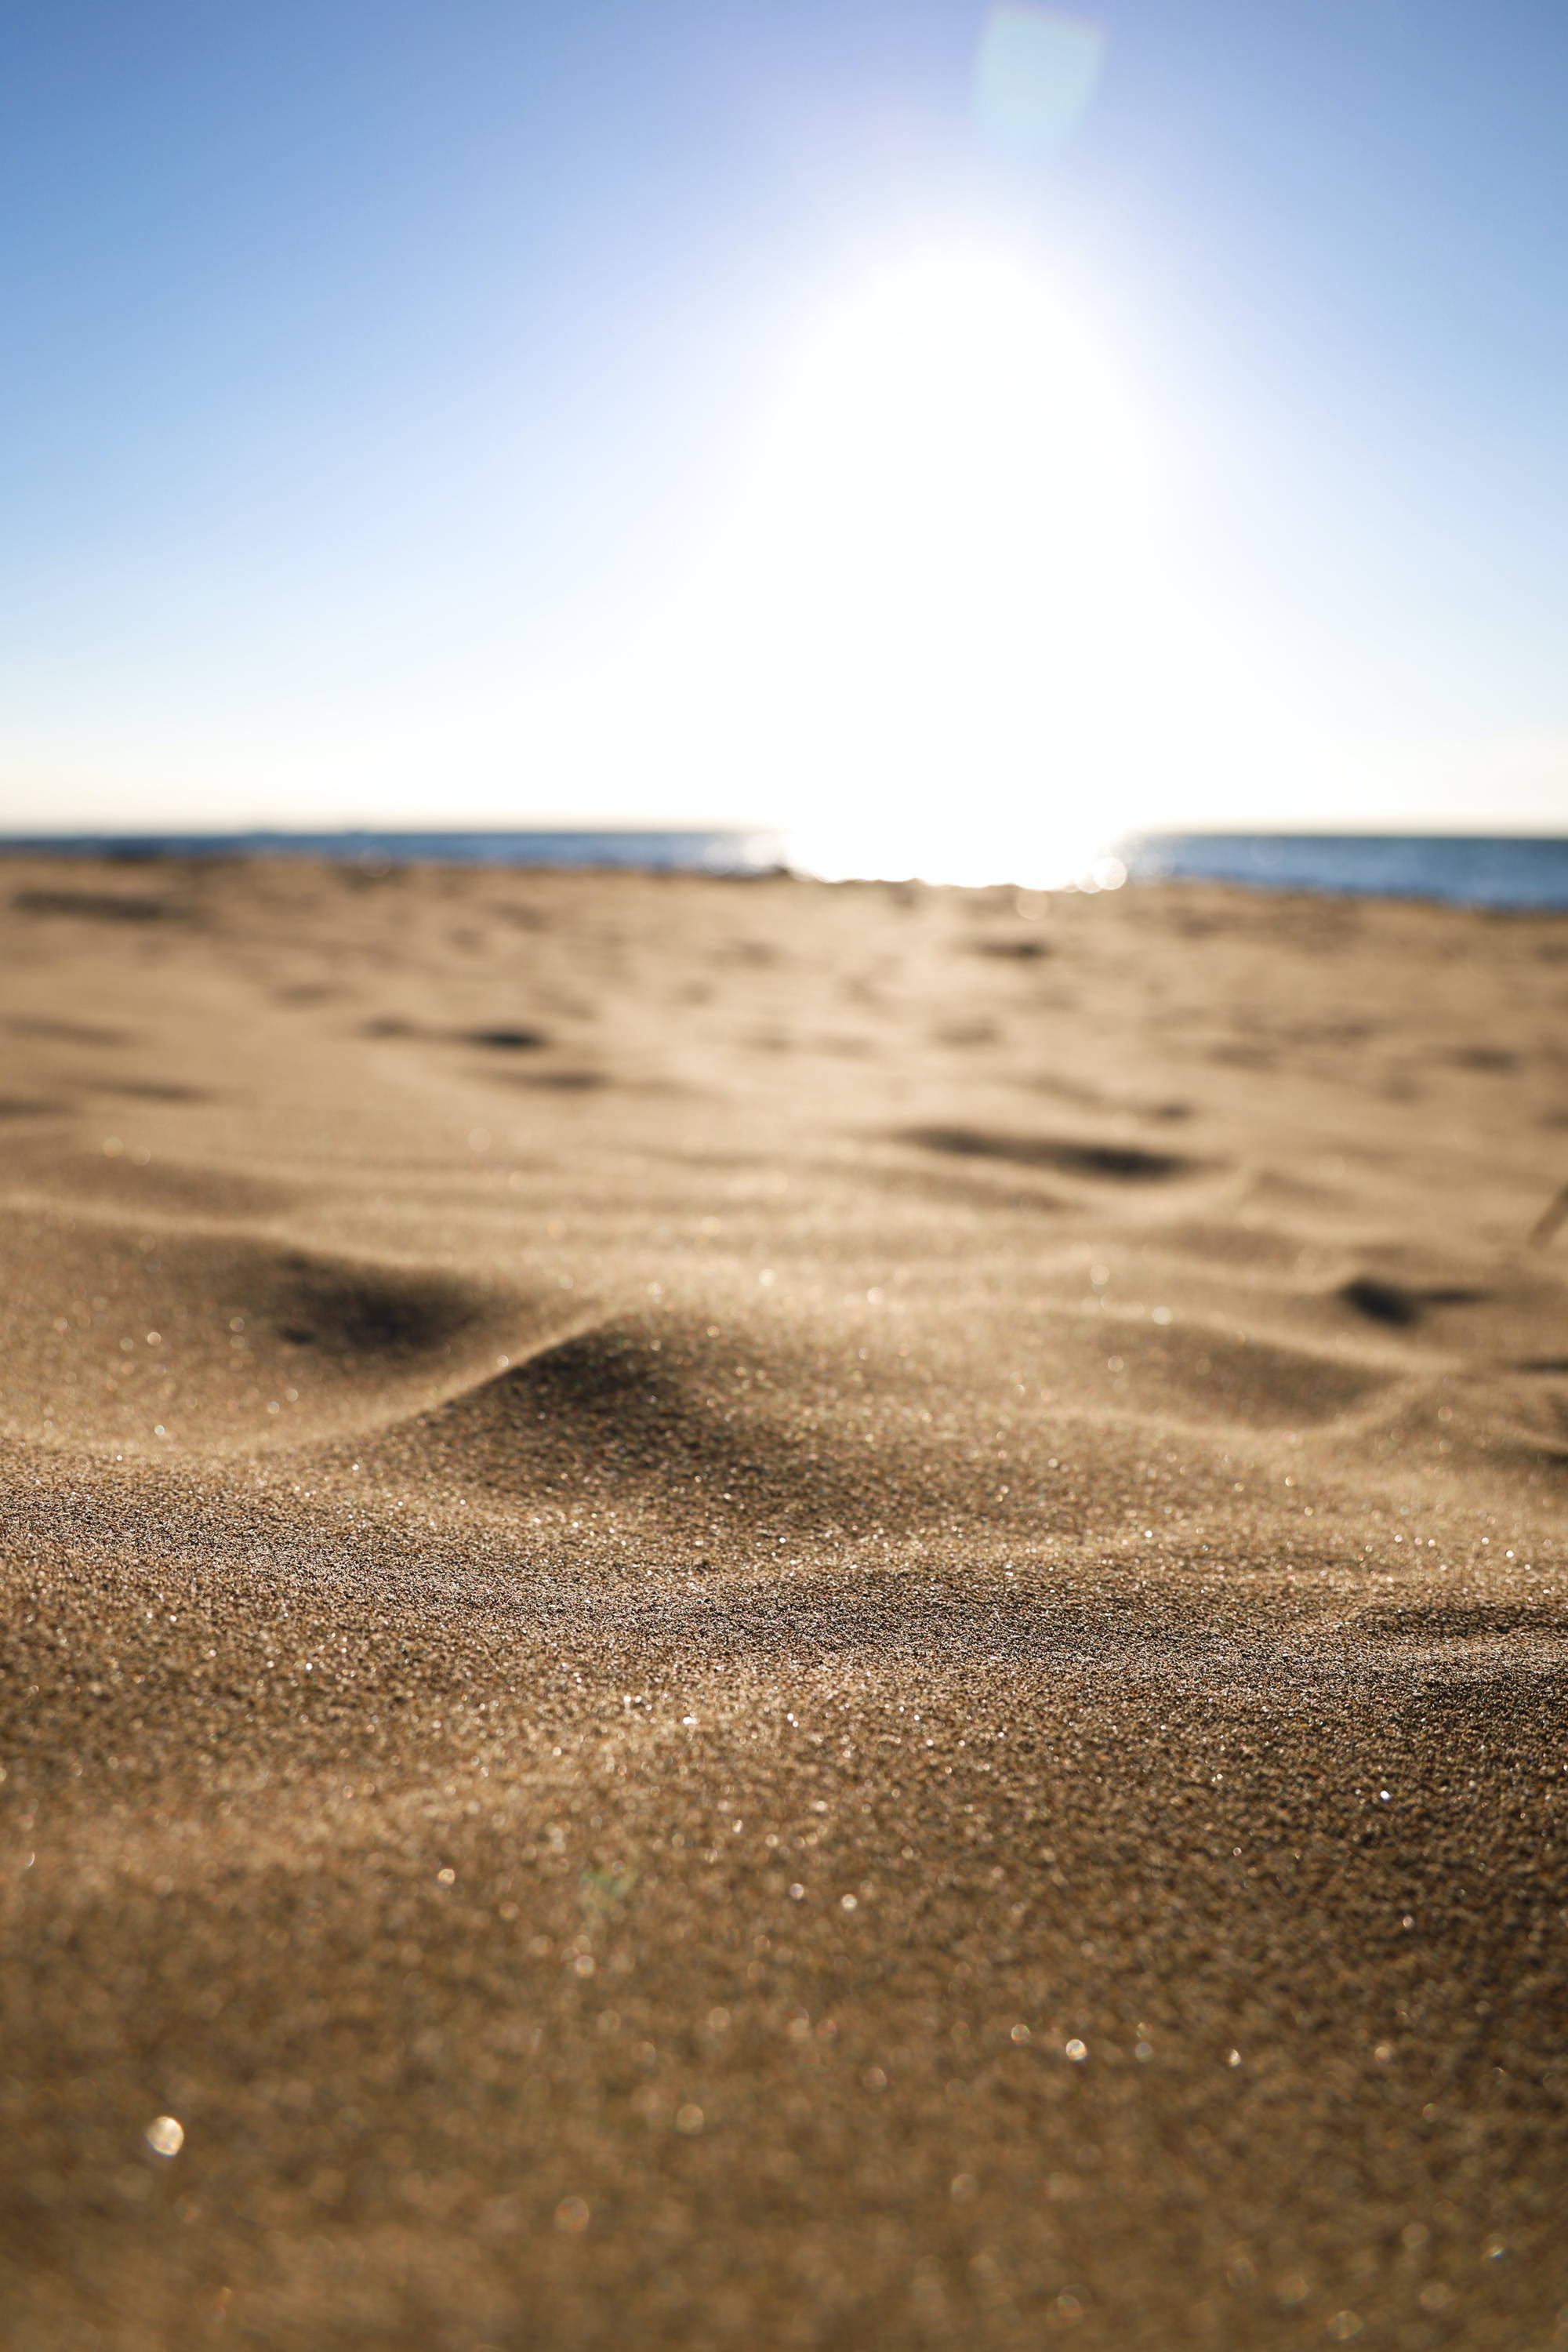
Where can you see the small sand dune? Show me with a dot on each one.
(202, 1343)
(748, 1614)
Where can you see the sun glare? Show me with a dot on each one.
(941, 579)
(945, 629)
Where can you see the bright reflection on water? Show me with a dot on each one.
(898, 850)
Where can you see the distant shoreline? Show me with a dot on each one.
(1505, 871)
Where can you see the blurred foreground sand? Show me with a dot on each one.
(747, 1615)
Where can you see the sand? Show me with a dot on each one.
(747, 1615)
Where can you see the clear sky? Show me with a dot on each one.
(899, 419)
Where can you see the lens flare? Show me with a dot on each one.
(1036, 71)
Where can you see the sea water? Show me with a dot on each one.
(1466, 869)
(659, 850)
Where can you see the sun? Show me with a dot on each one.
(940, 624)
(942, 574)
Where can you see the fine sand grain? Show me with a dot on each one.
(741, 1614)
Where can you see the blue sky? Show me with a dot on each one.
(382, 386)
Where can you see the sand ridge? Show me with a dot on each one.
(747, 1613)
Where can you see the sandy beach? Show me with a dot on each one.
(751, 1614)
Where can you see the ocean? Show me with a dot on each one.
(659, 850)
(1465, 869)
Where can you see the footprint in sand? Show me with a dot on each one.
(97, 906)
(1401, 1305)
(1117, 1163)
